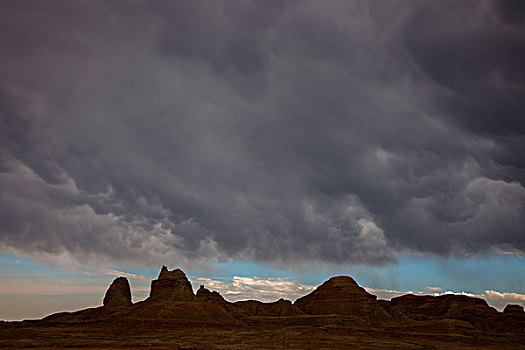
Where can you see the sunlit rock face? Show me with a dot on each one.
(171, 286)
(118, 293)
(342, 296)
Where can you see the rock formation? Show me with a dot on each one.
(337, 296)
(424, 307)
(281, 307)
(118, 293)
(513, 309)
(171, 286)
(337, 308)
(474, 311)
(204, 295)
(342, 296)
(249, 307)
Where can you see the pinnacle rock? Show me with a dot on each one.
(118, 293)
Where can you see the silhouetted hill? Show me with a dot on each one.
(342, 296)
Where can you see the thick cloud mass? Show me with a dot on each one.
(183, 131)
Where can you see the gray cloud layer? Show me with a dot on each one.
(340, 132)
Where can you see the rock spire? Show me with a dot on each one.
(118, 293)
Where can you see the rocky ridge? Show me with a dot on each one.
(171, 297)
(339, 314)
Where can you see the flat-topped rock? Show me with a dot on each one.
(118, 293)
(171, 286)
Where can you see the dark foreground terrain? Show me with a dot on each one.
(337, 315)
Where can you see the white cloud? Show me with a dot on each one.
(262, 289)
(388, 293)
(434, 289)
(500, 299)
(112, 272)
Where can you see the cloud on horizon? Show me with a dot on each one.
(189, 132)
(255, 288)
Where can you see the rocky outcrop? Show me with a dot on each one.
(339, 306)
(202, 294)
(474, 311)
(405, 307)
(118, 293)
(281, 307)
(342, 296)
(513, 309)
(171, 286)
(426, 307)
(205, 296)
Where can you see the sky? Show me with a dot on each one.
(261, 146)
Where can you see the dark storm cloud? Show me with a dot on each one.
(477, 58)
(278, 131)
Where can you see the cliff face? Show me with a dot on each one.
(171, 286)
(118, 293)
